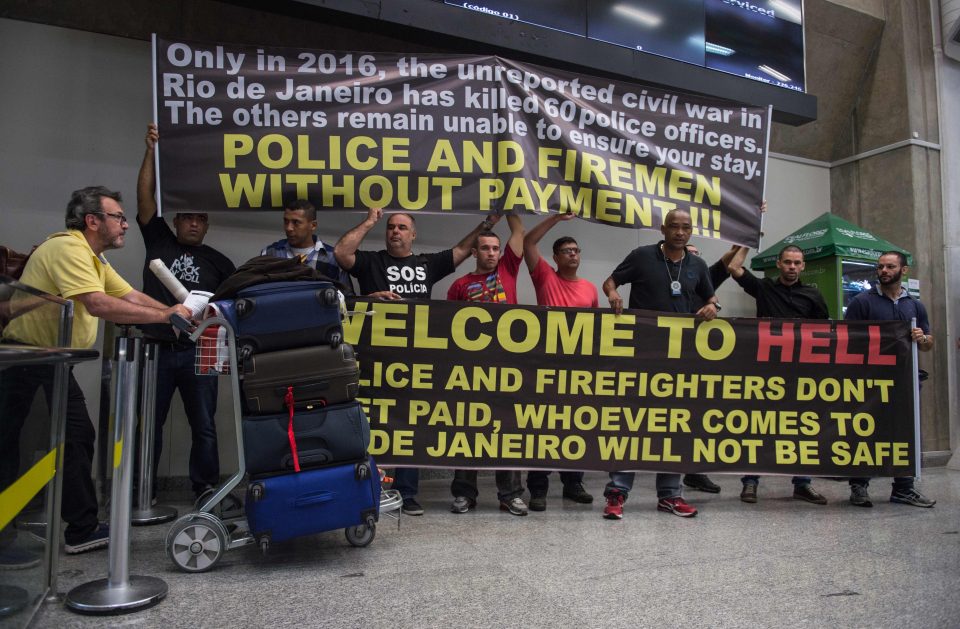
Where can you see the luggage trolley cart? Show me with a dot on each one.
(196, 541)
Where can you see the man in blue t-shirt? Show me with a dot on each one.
(890, 301)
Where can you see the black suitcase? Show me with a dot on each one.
(281, 315)
(323, 436)
(320, 376)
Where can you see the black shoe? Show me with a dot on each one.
(701, 482)
(577, 493)
(808, 493)
(100, 538)
(411, 507)
(538, 502)
(749, 493)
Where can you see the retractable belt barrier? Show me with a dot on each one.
(120, 592)
(146, 513)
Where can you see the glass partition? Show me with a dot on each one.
(32, 406)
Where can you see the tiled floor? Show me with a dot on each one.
(777, 563)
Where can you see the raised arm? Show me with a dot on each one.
(147, 179)
(738, 256)
(345, 250)
(517, 233)
(461, 250)
(531, 252)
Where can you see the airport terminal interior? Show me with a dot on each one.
(860, 115)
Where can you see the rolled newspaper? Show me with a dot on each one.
(167, 279)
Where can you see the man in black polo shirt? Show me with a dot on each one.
(662, 277)
(198, 267)
(889, 300)
(785, 297)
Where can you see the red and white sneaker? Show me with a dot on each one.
(676, 506)
(614, 508)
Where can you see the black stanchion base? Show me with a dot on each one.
(157, 514)
(12, 599)
(98, 597)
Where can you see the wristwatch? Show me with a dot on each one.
(716, 304)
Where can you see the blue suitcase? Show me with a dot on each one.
(325, 435)
(283, 315)
(325, 499)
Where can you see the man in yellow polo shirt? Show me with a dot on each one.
(71, 265)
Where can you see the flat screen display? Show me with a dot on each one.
(762, 41)
(569, 16)
(756, 39)
(669, 28)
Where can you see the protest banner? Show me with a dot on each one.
(498, 386)
(245, 127)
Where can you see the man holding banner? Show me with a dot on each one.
(198, 267)
(396, 273)
(494, 280)
(662, 277)
(560, 287)
(783, 298)
(889, 300)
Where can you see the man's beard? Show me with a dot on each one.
(893, 280)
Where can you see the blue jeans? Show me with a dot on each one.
(406, 480)
(797, 480)
(668, 485)
(175, 371)
(538, 481)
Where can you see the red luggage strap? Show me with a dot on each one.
(288, 400)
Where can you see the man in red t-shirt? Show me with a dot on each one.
(557, 287)
(494, 280)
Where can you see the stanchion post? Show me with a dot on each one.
(145, 513)
(58, 430)
(120, 591)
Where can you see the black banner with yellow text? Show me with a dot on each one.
(496, 386)
(245, 127)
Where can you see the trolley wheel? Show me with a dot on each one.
(264, 545)
(361, 535)
(196, 542)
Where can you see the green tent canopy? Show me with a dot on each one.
(826, 236)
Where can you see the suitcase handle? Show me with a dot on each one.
(310, 458)
(317, 497)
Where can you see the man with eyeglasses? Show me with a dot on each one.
(71, 264)
(198, 267)
(890, 300)
(557, 287)
(662, 277)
